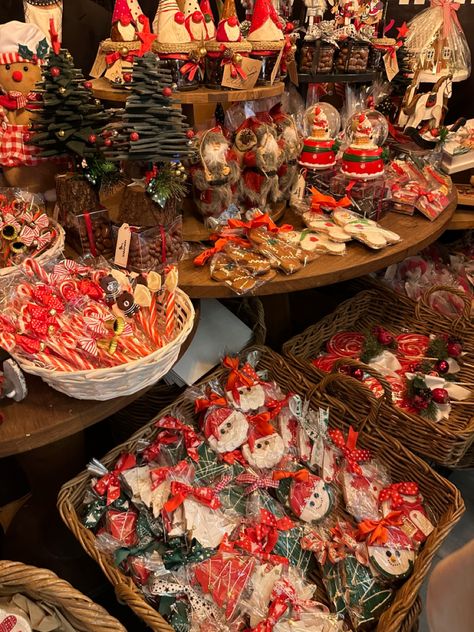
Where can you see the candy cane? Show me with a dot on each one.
(33, 268)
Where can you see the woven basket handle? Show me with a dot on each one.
(387, 389)
(463, 319)
(348, 382)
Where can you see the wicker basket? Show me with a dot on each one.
(446, 442)
(443, 498)
(40, 584)
(123, 379)
(46, 256)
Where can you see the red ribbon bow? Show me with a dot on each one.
(219, 245)
(323, 549)
(377, 532)
(234, 67)
(353, 455)
(320, 201)
(394, 493)
(256, 482)
(191, 68)
(277, 609)
(449, 15)
(213, 400)
(111, 58)
(109, 483)
(300, 475)
(160, 474)
(180, 491)
(191, 440)
(238, 377)
(261, 221)
(41, 322)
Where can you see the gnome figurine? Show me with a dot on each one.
(195, 21)
(215, 177)
(267, 39)
(206, 10)
(23, 49)
(228, 29)
(169, 24)
(127, 21)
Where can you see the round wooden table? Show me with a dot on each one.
(416, 232)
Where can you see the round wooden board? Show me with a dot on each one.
(104, 90)
(463, 219)
(46, 415)
(416, 232)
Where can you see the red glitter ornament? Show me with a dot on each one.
(442, 366)
(88, 85)
(55, 71)
(190, 133)
(134, 136)
(440, 395)
(92, 139)
(454, 349)
(127, 77)
(167, 92)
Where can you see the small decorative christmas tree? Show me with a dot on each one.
(153, 129)
(69, 119)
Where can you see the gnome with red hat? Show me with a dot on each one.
(266, 37)
(262, 156)
(289, 137)
(127, 21)
(195, 21)
(206, 10)
(228, 48)
(216, 175)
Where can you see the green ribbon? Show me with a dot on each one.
(96, 509)
(180, 553)
(318, 150)
(364, 158)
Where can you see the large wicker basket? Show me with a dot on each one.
(446, 442)
(42, 585)
(442, 497)
(123, 379)
(48, 255)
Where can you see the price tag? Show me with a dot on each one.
(123, 246)
(293, 72)
(297, 192)
(100, 65)
(391, 65)
(251, 69)
(276, 67)
(115, 72)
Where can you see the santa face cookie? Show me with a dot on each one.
(310, 500)
(265, 452)
(247, 397)
(225, 429)
(390, 562)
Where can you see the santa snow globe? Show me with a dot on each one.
(366, 132)
(319, 149)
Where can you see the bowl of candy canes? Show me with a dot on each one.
(26, 230)
(92, 331)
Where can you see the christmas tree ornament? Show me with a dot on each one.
(365, 132)
(267, 39)
(319, 149)
(23, 51)
(263, 451)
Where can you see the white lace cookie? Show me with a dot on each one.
(327, 226)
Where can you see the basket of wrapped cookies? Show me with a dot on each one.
(94, 332)
(260, 502)
(26, 231)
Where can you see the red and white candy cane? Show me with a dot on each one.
(412, 345)
(347, 344)
(34, 269)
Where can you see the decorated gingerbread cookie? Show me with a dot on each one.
(247, 398)
(393, 560)
(264, 451)
(317, 243)
(365, 230)
(327, 226)
(311, 499)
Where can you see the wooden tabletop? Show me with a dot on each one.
(463, 219)
(103, 89)
(416, 232)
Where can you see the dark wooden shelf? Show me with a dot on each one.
(359, 77)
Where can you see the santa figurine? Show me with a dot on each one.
(23, 49)
(288, 135)
(261, 157)
(225, 429)
(215, 177)
(227, 49)
(195, 21)
(310, 500)
(363, 158)
(319, 149)
(267, 38)
(263, 451)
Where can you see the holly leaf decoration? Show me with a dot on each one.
(42, 49)
(25, 52)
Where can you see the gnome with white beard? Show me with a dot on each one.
(262, 157)
(215, 177)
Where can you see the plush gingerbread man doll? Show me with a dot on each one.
(23, 49)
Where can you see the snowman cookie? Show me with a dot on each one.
(225, 429)
(327, 226)
(247, 398)
(315, 243)
(394, 558)
(310, 500)
(264, 451)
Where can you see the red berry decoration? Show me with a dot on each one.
(107, 142)
(384, 337)
(134, 136)
(88, 85)
(92, 139)
(232, 21)
(289, 27)
(442, 366)
(440, 395)
(358, 374)
(233, 73)
(454, 349)
(197, 17)
(55, 71)
(167, 92)
(190, 133)
(179, 17)
(127, 77)
(421, 403)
